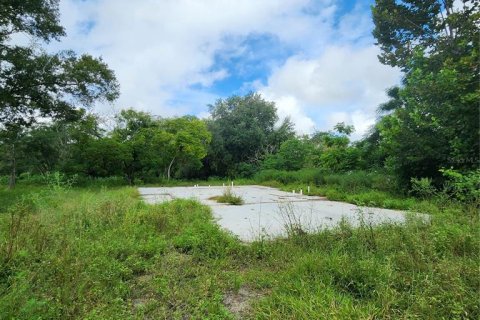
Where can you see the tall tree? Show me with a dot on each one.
(37, 85)
(243, 128)
(433, 118)
(189, 141)
(441, 28)
(335, 151)
(292, 155)
(135, 130)
(156, 146)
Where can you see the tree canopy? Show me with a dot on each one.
(433, 118)
(428, 127)
(244, 130)
(35, 84)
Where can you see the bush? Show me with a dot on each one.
(286, 177)
(29, 178)
(245, 170)
(101, 182)
(229, 197)
(463, 186)
(349, 182)
(4, 180)
(422, 187)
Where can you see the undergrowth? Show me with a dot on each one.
(104, 254)
(229, 197)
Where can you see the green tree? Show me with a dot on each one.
(134, 130)
(434, 26)
(244, 131)
(39, 85)
(188, 143)
(432, 120)
(156, 146)
(54, 146)
(333, 150)
(44, 148)
(103, 157)
(292, 155)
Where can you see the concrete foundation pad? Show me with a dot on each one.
(268, 212)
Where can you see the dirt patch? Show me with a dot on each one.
(141, 292)
(238, 303)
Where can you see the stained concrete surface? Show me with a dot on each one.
(267, 211)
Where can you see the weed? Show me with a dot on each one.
(292, 220)
(229, 197)
(104, 254)
(423, 187)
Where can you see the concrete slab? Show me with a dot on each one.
(267, 211)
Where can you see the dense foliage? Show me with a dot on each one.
(244, 131)
(429, 125)
(104, 254)
(101, 253)
(36, 85)
(432, 120)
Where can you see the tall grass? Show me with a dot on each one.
(104, 254)
(358, 187)
(229, 197)
(416, 270)
(350, 181)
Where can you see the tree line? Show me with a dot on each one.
(430, 122)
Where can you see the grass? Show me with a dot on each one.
(350, 181)
(361, 197)
(104, 254)
(358, 187)
(228, 197)
(9, 197)
(91, 254)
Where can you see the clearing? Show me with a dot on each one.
(269, 212)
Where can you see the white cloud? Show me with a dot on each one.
(288, 106)
(347, 83)
(361, 120)
(159, 49)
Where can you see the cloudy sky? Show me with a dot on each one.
(315, 58)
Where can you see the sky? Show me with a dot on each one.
(316, 59)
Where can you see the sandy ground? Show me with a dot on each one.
(267, 211)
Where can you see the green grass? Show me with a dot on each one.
(228, 197)
(104, 254)
(9, 197)
(357, 187)
(350, 181)
(362, 197)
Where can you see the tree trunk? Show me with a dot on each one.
(131, 178)
(129, 174)
(169, 168)
(13, 171)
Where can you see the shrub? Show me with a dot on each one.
(59, 181)
(101, 182)
(228, 197)
(422, 187)
(463, 186)
(29, 178)
(4, 180)
(352, 181)
(245, 170)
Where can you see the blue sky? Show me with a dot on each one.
(315, 59)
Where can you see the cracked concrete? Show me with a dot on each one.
(266, 211)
